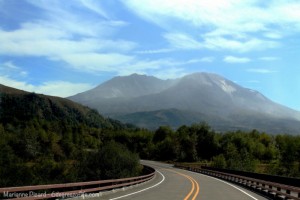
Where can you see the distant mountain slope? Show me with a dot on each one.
(176, 118)
(199, 96)
(17, 106)
(123, 88)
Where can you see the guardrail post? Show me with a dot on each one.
(278, 189)
(270, 187)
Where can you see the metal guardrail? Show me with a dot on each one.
(295, 182)
(68, 190)
(271, 189)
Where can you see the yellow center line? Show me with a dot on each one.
(193, 181)
(193, 187)
(197, 190)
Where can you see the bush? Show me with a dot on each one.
(219, 161)
(116, 161)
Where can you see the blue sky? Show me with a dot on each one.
(65, 47)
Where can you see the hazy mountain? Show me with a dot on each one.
(123, 87)
(150, 102)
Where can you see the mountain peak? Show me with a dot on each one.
(137, 75)
(131, 77)
(204, 79)
(130, 86)
(204, 76)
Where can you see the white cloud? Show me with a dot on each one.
(223, 24)
(273, 35)
(51, 43)
(54, 88)
(124, 64)
(182, 41)
(92, 62)
(170, 73)
(9, 65)
(203, 59)
(233, 59)
(159, 66)
(287, 11)
(240, 43)
(261, 70)
(239, 46)
(155, 51)
(207, 59)
(62, 88)
(95, 6)
(63, 35)
(239, 15)
(269, 58)
(8, 68)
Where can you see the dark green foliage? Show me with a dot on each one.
(247, 151)
(47, 140)
(115, 161)
(219, 161)
(207, 145)
(161, 134)
(188, 143)
(166, 147)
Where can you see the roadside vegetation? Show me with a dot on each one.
(239, 150)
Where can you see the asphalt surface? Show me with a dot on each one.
(172, 184)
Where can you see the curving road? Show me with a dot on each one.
(172, 184)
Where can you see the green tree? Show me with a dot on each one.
(219, 161)
(116, 161)
(161, 133)
(207, 145)
(188, 141)
(166, 149)
(289, 155)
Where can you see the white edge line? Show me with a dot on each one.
(142, 189)
(232, 186)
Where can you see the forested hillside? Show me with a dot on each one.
(50, 140)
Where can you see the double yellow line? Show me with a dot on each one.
(195, 186)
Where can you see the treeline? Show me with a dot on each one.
(46, 153)
(43, 152)
(248, 151)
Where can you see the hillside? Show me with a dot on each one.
(199, 96)
(19, 106)
(46, 139)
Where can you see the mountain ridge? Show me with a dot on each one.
(27, 106)
(118, 87)
(202, 92)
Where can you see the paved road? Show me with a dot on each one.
(172, 184)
